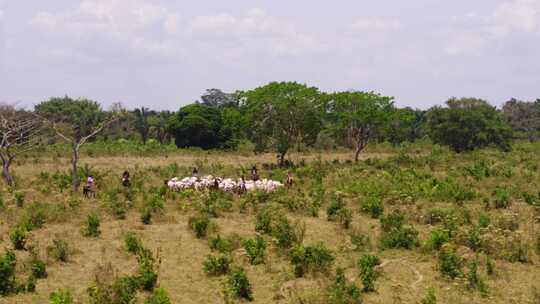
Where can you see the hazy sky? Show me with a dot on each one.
(164, 54)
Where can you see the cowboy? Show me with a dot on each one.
(254, 175)
(125, 179)
(87, 188)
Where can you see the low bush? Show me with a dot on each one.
(92, 226)
(59, 251)
(311, 259)
(61, 297)
(450, 263)
(359, 240)
(501, 198)
(537, 245)
(8, 283)
(342, 292)
(429, 298)
(147, 273)
(199, 225)
(19, 199)
(438, 237)
(217, 265)
(255, 250)
(146, 216)
(132, 243)
(396, 234)
(18, 237)
(225, 245)
(373, 205)
(368, 273)
(38, 268)
(474, 281)
(239, 285)
(158, 296)
(124, 290)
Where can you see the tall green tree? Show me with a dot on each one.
(358, 116)
(282, 114)
(158, 123)
(405, 124)
(467, 124)
(76, 121)
(523, 116)
(197, 125)
(141, 123)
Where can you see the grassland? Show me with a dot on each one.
(481, 207)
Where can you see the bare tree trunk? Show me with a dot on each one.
(74, 173)
(357, 153)
(5, 172)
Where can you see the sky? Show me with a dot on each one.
(164, 54)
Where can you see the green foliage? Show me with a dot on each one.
(158, 296)
(474, 281)
(255, 250)
(468, 124)
(342, 292)
(287, 234)
(147, 274)
(92, 226)
(133, 243)
(59, 251)
(537, 245)
(217, 265)
(450, 263)
(311, 259)
(263, 220)
(124, 290)
(239, 285)
(199, 225)
(61, 297)
(373, 205)
(8, 283)
(484, 220)
(501, 198)
(225, 245)
(396, 234)
(368, 273)
(429, 298)
(437, 238)
(19, 199)
(18, 237)
(338, 211)
(38, 268)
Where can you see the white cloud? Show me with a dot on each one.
(370, 24)
(516, 15)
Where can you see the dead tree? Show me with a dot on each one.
(20, 132)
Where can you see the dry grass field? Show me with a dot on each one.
(486, 204)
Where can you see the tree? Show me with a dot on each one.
(467, 124)
(523, 116)
(359, 116)
(405, 125)
(141, 123)
(217, 98)
(158, 126)
(197, 125)
(282, 114)
(76, 121)
(19, 132)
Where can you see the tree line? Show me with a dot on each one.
(274, 117)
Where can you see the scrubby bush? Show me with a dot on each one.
(133, 243)
(359, 240)
(342, 292)
(18, 237)
(501, 198)
(124, 290)
(225, 245)
(61, 297)
(199, 225)
(368, 273)
(146, 274)
(316, 258)
(59, 251)
(437, 238)
(373, 205)
(287, 234)
(474, 281)
(146, 216)
(474, 240)
(158, 296)
(450, 263)
(92, 226)
(239, 285)
(217, 265)
(38, 268)
(255, 250)
(429, 298)
(19, 199)
(8, 283)
(263, 220)
(537, 245)
(484, 220)
(35, 217)
(396, 234)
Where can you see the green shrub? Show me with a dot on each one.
(506, 222)
(490, 267)
(473, 239)
(316, 258)
(146, 216)
(263, 220)
(217, 265)
(344, 217)
(537, 247)
(501, 198)
(474, 281)
(368, 274)
(35, 217)
(124, 290)
(287, 234)
(531, 199)
(38, 268)
(199, 225)
(18, 237)
(146, 275)
(158, 296)
(61, 297)
(19, 199)
(430, 297)
(133, 243)
(437, 238)
(484, 220)
(396, 234)
(239, 285)
(59, 251)
(255, 250)
(92, 226)
(118, 209)
(342, 292)
(373, 205)
(336, 204)
(225, 245)
(8, 283)
(450, 263)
